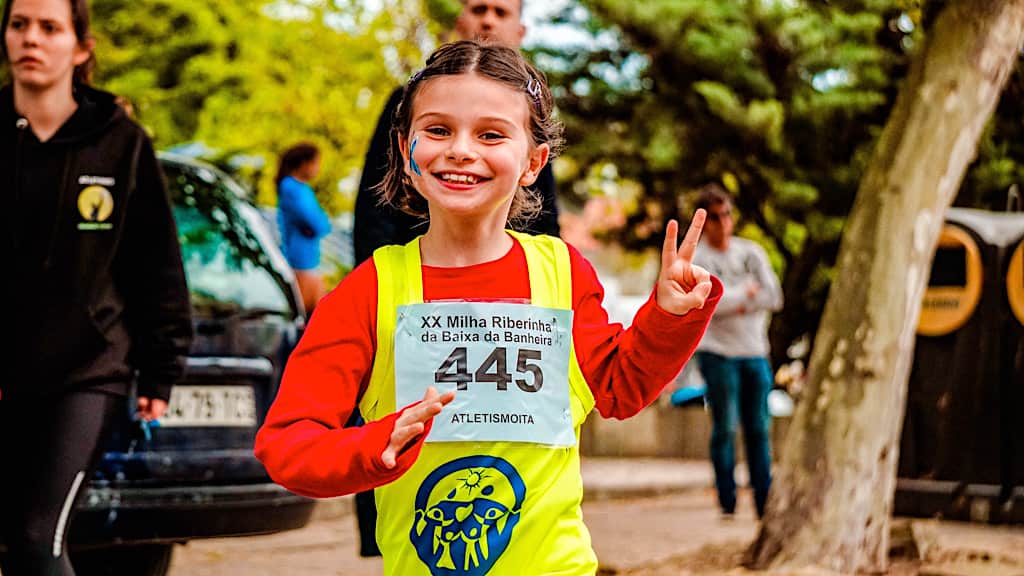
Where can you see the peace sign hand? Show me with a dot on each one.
(413, 422)
(682, 286)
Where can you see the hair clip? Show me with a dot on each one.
(416, 75)
(534, 90)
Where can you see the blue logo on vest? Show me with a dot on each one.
(465, 513)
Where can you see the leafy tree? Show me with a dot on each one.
(248, 78)
(779, 101)
(832, 496)
(1000, 163)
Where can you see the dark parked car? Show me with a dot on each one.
(194, 475)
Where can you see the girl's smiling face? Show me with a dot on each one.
(473, 147)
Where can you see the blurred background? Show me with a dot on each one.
(780, 101)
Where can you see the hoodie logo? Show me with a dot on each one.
(86, 180)
(95, 204)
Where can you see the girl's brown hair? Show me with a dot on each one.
(498, 63)
(80, 23)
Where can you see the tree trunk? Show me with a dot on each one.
(833, 491)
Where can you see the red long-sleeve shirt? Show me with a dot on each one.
(303, 443)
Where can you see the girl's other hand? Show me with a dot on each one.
(413, 422)
(682, 285)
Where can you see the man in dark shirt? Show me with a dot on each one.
(377, 225)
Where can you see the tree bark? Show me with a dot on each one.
(833, 491)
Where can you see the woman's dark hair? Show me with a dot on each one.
(80, 23)
(295, 157)
(505, 65)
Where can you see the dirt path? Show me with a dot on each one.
(661, 536)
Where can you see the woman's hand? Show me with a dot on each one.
(682, 286)
(413, 422)
(148, 409)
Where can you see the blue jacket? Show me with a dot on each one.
(302, 222)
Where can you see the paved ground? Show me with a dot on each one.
(627, 534)
(639, 511)
(647, 518)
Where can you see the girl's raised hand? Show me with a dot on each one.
(682, 285)
(413, 422)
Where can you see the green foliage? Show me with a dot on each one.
(444, 12)
(248, 78)
(761, 118)
(779, 101)
(1000, 162)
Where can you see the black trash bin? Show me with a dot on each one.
(1015, 365)
(959, 453)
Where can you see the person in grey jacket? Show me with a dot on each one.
(733, 355)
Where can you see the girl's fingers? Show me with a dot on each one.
(670, 253)
(668, 248)
(693, 235)
(424, 410)
(400, 437)
(403, 435)
(694, 299)
(701, 274)
(702, 291)
(432, 403)
(412, 423)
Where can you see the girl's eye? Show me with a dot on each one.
(49, 28)
(492, 136)
(437, 131)
(17, 24)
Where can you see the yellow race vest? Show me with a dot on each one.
(475, 508)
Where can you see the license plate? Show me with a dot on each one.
(210, 406)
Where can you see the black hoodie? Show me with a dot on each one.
(94, 274)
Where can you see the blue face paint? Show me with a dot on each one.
(412, 161)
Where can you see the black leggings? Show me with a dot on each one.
(49, 451)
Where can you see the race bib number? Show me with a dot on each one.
(508, 365)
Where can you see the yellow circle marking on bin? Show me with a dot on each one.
(947, 308)
(1015, 283)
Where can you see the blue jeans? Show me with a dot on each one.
(737, 389)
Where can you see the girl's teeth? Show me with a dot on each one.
(460, 178)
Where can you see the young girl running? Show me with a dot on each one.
(474, 353)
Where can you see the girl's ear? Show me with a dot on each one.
(403, 148)
(537, 159)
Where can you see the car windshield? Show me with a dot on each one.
(227, 268)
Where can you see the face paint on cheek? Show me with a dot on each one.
(412, 161)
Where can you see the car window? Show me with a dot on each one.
(227, 267)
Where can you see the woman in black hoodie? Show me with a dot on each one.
(94, 278)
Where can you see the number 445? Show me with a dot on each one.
(494, 368)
